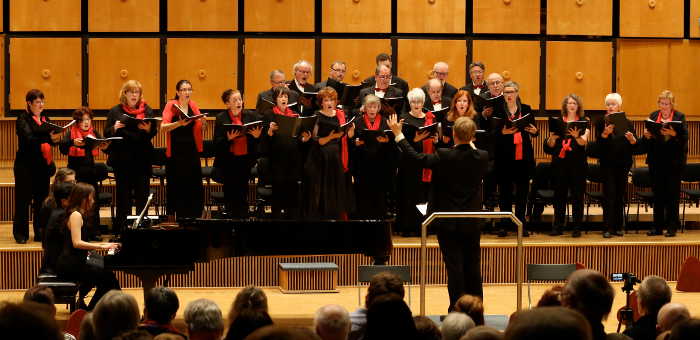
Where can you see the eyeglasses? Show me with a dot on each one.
(441, 73)
(384, 77)
(186, 90)
(304, 72)
(476, 72)
(338, 70)
(510, 92)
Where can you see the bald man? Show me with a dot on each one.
(434, 96)
(303, 75)
(440, 72)
(671, 314)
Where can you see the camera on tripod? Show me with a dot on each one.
(629, 280)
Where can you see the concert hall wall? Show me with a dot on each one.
(79, 52)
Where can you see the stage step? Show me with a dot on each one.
(308, 277)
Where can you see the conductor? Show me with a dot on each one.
(457, 176)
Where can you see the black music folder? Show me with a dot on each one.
(294, 126)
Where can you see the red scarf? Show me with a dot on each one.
(670, 118)
(139, 111)
(239, 145)
(373, 126)
(169, 113)
(343, 140)
(45, 147)
(565, 142)
(517, 139)
(76, 132)
(287, 112)
(428, 147)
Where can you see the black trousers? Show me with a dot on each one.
(569, 178)
(515, 174)
(132, 187)
(614, 190)
(31, 189)
(286, 196)
(666, 185)
(461, 252)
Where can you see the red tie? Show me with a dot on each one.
(376, 89)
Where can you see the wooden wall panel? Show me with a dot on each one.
(431, 16)
(694, 19)
(358, 54)
(261, 58)
(685, 61)
(123, 16)
(643, 72)
(507, 16)
(210, 64)
(2, 75)
(113, 61)
(211, 15)
(50, 64)
(279, 15)
(581, 17)
(651, 18)
(514, 60)
(417, 57)
(42, 15)
(368, 16)
(583, 68)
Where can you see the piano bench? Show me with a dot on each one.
(64, 291)
(315, 277)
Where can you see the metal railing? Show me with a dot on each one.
(479, 215)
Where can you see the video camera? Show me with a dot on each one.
(628, 278)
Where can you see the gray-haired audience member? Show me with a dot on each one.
(455, 325)
(483, 333)
(653, 294)
(548, 323)
(685, 330)
(332, 322)
(671, 314)
(381, 284)
(204, 320)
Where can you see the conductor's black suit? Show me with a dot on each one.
(456, 186)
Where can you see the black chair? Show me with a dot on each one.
(594, 176)
(158, 172)
(208, 152)
(547, 272)
(263, 188)
(691, 175)
(104, 199)
(641, 180)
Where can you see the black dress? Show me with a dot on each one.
(131, 160)
(374, 168)
(329, 183)
(32, 174)
(411, 189)
(185, 192)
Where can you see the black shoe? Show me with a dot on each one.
(526, 233)
(576, 233)
(670, 233)
(617, 233)
(21, 240)
(556, 232)
(654, 233)
(502, 233)
(607, 234)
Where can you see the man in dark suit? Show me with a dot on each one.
(456, 186)
(382, 89)
(385, 59)
(265, 101)
(434, 99)
(303, 72)
(440, 72)
(477, 86)
(336, 74)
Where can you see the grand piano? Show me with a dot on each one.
(153, 251)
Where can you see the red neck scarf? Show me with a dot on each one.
(373, 126)
(76, 132)
(170, 111)
(239, 146)
(670, 117)
(517, 138)
(565, 142)
(287, 112)
(139, 111)
(45, 147)
(376, 89)
(428, 147)
(343, 141)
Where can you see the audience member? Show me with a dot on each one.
(42, 300)
(482, 333)
(273, 332)
(671, 314)
(250, 297)
(138, 334)
(24, 321)
(87, 329)
(473, 306)
(426, 329)
(204, 320)
(589, 292)
(548, 323)
(246, 322)
(381, 284)
(332, 322)
(160, 307)
(551, 297)
(653, 294)
(455, 325)
(684, 330)
(388, 317)
(116, 313)
(169, 336)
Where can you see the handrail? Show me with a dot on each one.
(471, 214)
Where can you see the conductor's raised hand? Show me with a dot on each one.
(394, 124)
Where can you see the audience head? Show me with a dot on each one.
(168, 336)
(42, 297)
(613, 102)
(302, 71)
(463, 130)
(131, 93)
(472, 306)
(416, 98)
(382, 76)
(384, 283)
(204, 320)
(161, 305)
(426, 329)
(283, 333)
(455, 325)
(551, 297)
(246, 322)
(482, 333)
(495, 83)
(115, 313)
(671, 314)
(383, 59)
(440, 70)
(388, 317)
(590, 293)
(332, 322)
(476, 72)
(250, 297)
(87, 330)
(337, 71)
(35, 101)
(277, 79)
(548, 323)
(653, 294)
(25, 321)
(572, 103)
(136, 335)
(688, 329)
